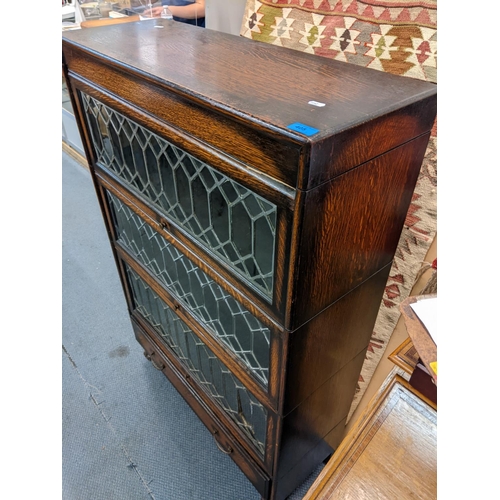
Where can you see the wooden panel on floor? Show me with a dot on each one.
(390, 453)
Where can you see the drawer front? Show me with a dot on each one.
(224, 442)
(230, 221)
(211, 374)
(220, 313)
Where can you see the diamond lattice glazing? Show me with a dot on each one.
(215, 378)
(231, 221)
(225, 317)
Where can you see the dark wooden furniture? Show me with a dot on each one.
(391, 452)
(254, 197)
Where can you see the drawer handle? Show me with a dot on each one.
(229, 449)
(158, 367)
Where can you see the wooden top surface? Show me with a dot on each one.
(261, 82)
(391, 452)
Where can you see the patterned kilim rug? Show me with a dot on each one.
(396, 36)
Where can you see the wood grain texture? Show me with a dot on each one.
(374, 137)
(202, 144)
(351, 228)
(216, 65)
(260, 149)
(330, 340)
(390, 453)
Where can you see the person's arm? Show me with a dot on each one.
(195, 10)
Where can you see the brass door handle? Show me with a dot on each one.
(149, 358)
(229, 449)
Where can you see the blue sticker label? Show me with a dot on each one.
(303, 129)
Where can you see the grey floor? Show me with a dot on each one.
(126, 433)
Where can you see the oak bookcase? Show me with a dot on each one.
(254, 197)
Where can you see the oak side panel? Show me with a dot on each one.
(372, 138)
(351, 228)
(307, 424)
(322, 346)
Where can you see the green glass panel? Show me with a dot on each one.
(228, 219)
(224, 316)
(212, 375)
